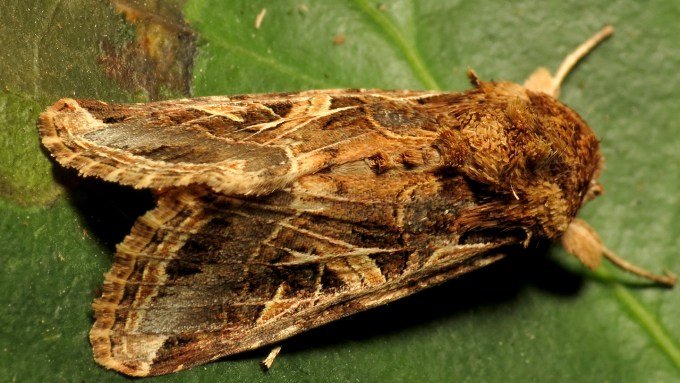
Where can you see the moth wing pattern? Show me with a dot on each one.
(250, 144)
(205, 275)
(210, 271)
(278, 213)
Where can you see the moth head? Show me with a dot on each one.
(528, 149)
(520, 140)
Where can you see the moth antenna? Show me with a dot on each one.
(474, 79)
(541, 80)
(582, 241)
(667, 279)
(574, 57)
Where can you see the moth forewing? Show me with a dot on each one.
(278, 213)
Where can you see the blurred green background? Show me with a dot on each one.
(538, 317)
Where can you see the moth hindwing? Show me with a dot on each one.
(277, 213)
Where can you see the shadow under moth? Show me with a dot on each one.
(277, 213)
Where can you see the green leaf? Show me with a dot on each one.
(529, 318)
(22, 170)
(79, 48)
(42, 59)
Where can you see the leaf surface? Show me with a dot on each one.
(533, 317)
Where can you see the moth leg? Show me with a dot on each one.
(542, 81)
(582, 241)
(269, 360)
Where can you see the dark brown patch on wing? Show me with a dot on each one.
(281, 108)
(239, 126)
(401, 118)
(345, 101)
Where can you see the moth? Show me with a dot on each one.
(277, 213)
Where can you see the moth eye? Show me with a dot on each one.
(594, 189)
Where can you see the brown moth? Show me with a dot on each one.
(281, 212)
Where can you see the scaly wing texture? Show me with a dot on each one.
(205, 275)
(276, 213)
(241, 145)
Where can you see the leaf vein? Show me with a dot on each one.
(285, 69)
(641, 314)
(408, 49)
